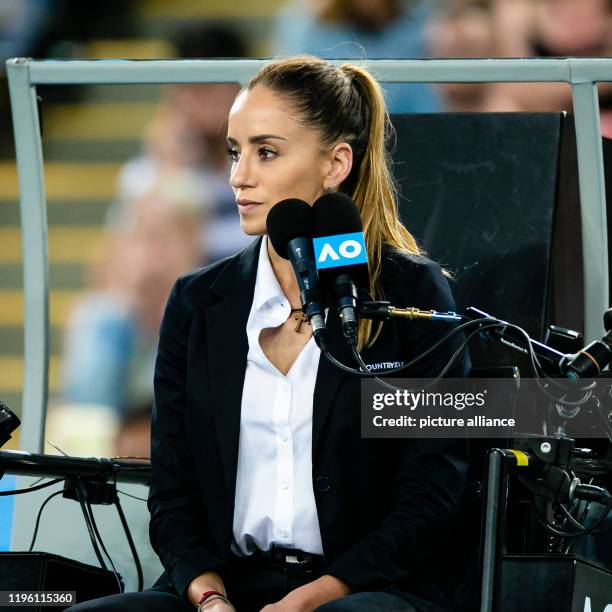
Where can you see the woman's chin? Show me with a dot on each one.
(251, 227)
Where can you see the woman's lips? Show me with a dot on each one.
(245, 206)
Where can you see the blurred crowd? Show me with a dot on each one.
(174, 209)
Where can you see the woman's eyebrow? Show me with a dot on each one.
(256, 139)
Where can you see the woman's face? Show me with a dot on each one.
(274, 156)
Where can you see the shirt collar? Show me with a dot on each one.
(267, 287)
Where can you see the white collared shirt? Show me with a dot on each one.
(274, 501)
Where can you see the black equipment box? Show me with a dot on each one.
(38, 571)
(554, 584)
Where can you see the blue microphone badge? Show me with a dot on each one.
(340, 250)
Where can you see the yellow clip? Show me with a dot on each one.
(522, 459)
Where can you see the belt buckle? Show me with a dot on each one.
(299, 561)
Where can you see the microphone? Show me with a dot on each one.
(341, 257)
(290, 227)
(592, 359)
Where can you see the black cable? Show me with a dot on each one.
(92, 536)
(30, 489)
(585, 512)
(606, 423)
(573, 508)
(592, 529)
(535, 364)
(418, 358)
(440, 375)
(40, 510)
(128, 535)
(133, 496)
(538, 371)
(99, 537)
(570, 518)
(478, 323)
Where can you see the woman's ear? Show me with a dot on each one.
(341, 162)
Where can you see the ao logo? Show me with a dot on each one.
(587, 606)
(348, 249)
(340, 250)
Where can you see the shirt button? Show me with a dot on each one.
(284, 534)
(284, 484)
(323, 484)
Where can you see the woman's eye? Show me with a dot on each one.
(233, 154)
(266, 153)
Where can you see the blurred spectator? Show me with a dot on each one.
(361, 29)
(554, 28)
(54, 28)
(111, 339)
(464, 29)
(133, 438)
(522, 28)
(189, 134)
(21, 24)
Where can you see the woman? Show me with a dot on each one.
(263, 493)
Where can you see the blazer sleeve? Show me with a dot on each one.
(177, 529)
(429, 475)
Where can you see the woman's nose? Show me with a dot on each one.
(242, 174)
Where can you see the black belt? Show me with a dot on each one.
(287, 559)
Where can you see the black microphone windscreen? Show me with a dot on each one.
(608, 320)
(336, 213)
(289, 219)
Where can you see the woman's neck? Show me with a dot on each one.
(285, 276)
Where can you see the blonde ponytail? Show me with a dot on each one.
(375, 192)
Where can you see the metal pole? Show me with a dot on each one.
(493, 540)
(35, 260)
(592, 208)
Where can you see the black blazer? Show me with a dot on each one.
(381, 504)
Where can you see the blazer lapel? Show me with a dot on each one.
(227, 348)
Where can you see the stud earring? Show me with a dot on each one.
(329, 189)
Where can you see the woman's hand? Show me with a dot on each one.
(288, 604)
(207, 581)
(218, 605)
(310, 596)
